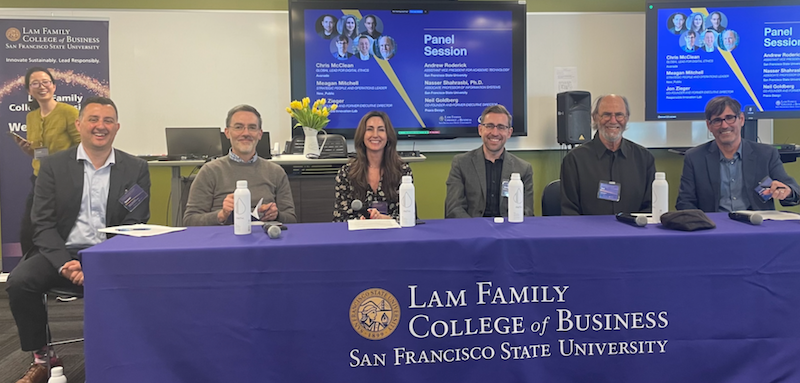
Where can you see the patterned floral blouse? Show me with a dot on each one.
(345, 195)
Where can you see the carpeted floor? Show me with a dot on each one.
(66, 322)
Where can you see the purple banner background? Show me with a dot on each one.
(76, 53)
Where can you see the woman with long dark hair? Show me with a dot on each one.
(374, 176)
(51, 129)
(349, 27)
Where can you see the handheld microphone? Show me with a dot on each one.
(357, 206)
(272, 231)
(746, 217)
(632, 220)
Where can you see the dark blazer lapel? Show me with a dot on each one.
(116, 185)
(712, 164)
(750, 173)
(75, 192)
(479, 162)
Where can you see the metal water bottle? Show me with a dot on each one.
(516, 199)
(408, 217)
(660, 196)
(241, 208)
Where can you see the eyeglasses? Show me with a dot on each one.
(500, 127)
(618, 116)
(241, 128)
(44, 83)
(729, 119)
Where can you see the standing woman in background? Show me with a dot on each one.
(51, 129)
(375, 174)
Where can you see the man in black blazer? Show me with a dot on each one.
(79, 190)
(475, 184)
(722, 175)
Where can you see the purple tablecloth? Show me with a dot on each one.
(554, 299)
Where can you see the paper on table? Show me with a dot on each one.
(775, 215)
(140, 230)
(255, 209)
(368, 224)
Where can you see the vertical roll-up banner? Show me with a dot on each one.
(76, 54)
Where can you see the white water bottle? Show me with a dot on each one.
(660, 196)
(241, 208)
(57, 375)
(408, 217)
(516, 199)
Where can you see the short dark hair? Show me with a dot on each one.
(343, 38)
(97, 100)
(242, 108)
(497, 108)
(33, 104)
(691, 33)
(717, 105)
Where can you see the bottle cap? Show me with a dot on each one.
(515, 176)
(661, 175)
(407, 179)
(499, 220)
(241, 184)
(57, 371)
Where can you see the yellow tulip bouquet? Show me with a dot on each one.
(313, 116)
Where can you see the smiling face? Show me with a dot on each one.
(726, 133)
(375, 137)
(729, 40)
(363, 46)
(244, 133)
(677, 21)
(341, 47)
(327, 24)
(690, 38)
(709, 39)
(97, 125)
(611, 119)
(697, 24)
(350, 25)
(494, 140)
(386, 46)
(41, 87)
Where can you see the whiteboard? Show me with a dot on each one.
(178, 68)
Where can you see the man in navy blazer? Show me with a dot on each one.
(723, 174)
(79, 190)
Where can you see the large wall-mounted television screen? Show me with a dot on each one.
(433, 67)
(746, 50)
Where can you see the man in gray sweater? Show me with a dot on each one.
(211, 196)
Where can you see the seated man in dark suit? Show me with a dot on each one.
(722, 175)
(79, 190)
(475, 184)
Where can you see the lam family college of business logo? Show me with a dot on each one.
(13, 34)
(375, 314)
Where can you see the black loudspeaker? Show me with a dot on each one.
(574, 117)
(750, 126)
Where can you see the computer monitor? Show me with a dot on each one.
(193, 143)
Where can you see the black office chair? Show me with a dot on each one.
(551, 199)
(62, 294)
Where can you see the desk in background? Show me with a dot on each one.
(312, 183)
(203, 305)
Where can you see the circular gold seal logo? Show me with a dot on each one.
(375, 314)
(13, 34)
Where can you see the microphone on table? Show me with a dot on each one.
(746, 217)
(357, 206)
(273, 231)
(631, 219)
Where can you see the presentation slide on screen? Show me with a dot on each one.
(426, 69)
(749, 53)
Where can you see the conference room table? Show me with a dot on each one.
(552, 299)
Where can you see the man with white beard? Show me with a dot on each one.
(609, 174)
